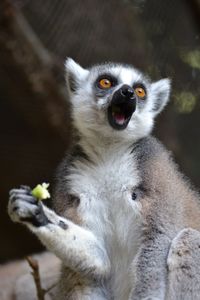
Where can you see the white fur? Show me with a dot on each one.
(161, 88)
(107, 208)
(76, 69)
(90, 114)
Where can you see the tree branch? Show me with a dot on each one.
(36, 276)
(31, 70)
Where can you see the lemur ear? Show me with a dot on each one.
(75, 74)
(160, 93)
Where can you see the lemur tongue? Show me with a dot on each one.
(119, 118)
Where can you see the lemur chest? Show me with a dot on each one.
(105, 190)
(108, 209)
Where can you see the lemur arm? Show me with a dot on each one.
(77, 247)
(150, 269)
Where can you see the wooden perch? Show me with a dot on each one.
(30, 70)
(17, 283)
(36, 276)
(41, 292)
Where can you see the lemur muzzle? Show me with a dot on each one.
(123, 105)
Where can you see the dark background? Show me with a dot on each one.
(162, 38)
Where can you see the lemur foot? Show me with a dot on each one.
(24, 207)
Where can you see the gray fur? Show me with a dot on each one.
(170, 201)
(121, 205)
(184, 266)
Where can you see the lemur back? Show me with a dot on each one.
(120, 201)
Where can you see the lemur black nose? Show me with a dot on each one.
(127, 91)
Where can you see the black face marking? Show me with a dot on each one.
(138, 85)
(122, 107)
(108, 76)
(100, 92)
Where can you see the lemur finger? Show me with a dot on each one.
(28, 198)
(25, 187)
(14, 192)
(17, 191)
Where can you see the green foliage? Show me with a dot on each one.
(185, 102)
(192, 58)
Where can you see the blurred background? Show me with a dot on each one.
(162, 38)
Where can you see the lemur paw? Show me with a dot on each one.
(24, 207)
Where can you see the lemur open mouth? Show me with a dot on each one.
(122, 107)
(119, 116)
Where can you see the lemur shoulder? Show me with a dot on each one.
(125, 223)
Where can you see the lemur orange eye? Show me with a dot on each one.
(140, 92)
(105, 83)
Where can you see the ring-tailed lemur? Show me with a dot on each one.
(120, 201)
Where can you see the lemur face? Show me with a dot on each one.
(114, 100)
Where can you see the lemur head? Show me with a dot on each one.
(114, 100)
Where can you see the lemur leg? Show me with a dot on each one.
(79, 291)
(149, 269)
(184, 266)
(77, 247)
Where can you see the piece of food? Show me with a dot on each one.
(41, 191)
